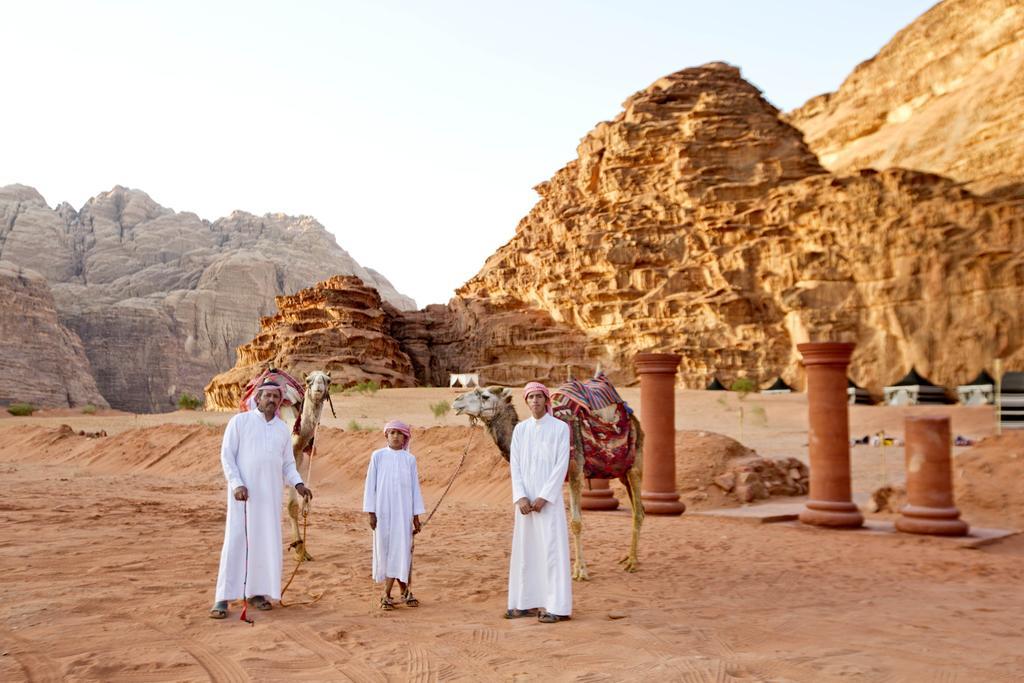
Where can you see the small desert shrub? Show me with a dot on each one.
(21, 409)
(189, 402)
(365, 387)
(89, 409)
(742, 386)
(440, 409)
(354, 426)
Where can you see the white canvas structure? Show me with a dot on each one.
(976, 394)
(981, 391)
(912, 390)
(464, 379)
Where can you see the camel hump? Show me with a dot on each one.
(590, 396)
(604, 421)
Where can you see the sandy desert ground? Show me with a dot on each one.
(109, 549)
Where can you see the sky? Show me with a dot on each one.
(414, 131)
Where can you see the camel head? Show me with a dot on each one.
(318, 384)
(483, 404)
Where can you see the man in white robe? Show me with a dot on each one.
(256, 455)
(539, 577)
(394, 503)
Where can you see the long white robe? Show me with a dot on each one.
(392, 492)
(258, 455)
(539, 574)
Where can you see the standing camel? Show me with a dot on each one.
(318, 389)
(493, 406)
(300, 410)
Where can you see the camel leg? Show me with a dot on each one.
(295, 506)
(632, 483)
(579, 570)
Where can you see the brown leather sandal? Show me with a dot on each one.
(549, 618)
(260, 603)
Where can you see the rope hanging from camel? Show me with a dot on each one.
(305, 522)
(451, 481)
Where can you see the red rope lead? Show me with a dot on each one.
(245, 577)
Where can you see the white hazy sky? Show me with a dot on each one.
(414, 131)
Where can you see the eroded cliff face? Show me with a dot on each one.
(503, 339)
(161, 299)
(637, 242)
(339, 325)
(42, 361)
(698, 222)
(945, 95)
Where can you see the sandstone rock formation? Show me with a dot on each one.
(337, 325)
(503, 339)
(698, 222)
(161, 299)
(713, 470)
(945, 95)
(41, 361)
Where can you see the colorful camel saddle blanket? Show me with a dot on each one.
(293, 391)
(609, 444)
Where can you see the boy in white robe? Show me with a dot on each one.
(256, 455)
(394, 504)
(539, 577)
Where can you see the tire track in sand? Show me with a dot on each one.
(37, 667)
(217, 668)
(352, 668)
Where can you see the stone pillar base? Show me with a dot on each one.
(833, 514)
(933, 521)
(662, 503)
(599, 496)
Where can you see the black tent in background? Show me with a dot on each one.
(979, 391)
(912, 390)
(715, 385)
(912, 379)
(1011, 401)
(779, 387)
(1013, 383)
(857, 394)
(982, 378)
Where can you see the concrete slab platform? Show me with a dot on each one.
(759, 513)
(976, 537)
(788, 510)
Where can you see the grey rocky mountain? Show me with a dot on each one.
(160, 299)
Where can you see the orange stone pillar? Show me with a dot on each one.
(598, 496)
(930, 508)
(829, 502)
(657, 373)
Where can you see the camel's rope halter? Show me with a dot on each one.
(488, 411)
(305, 518)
